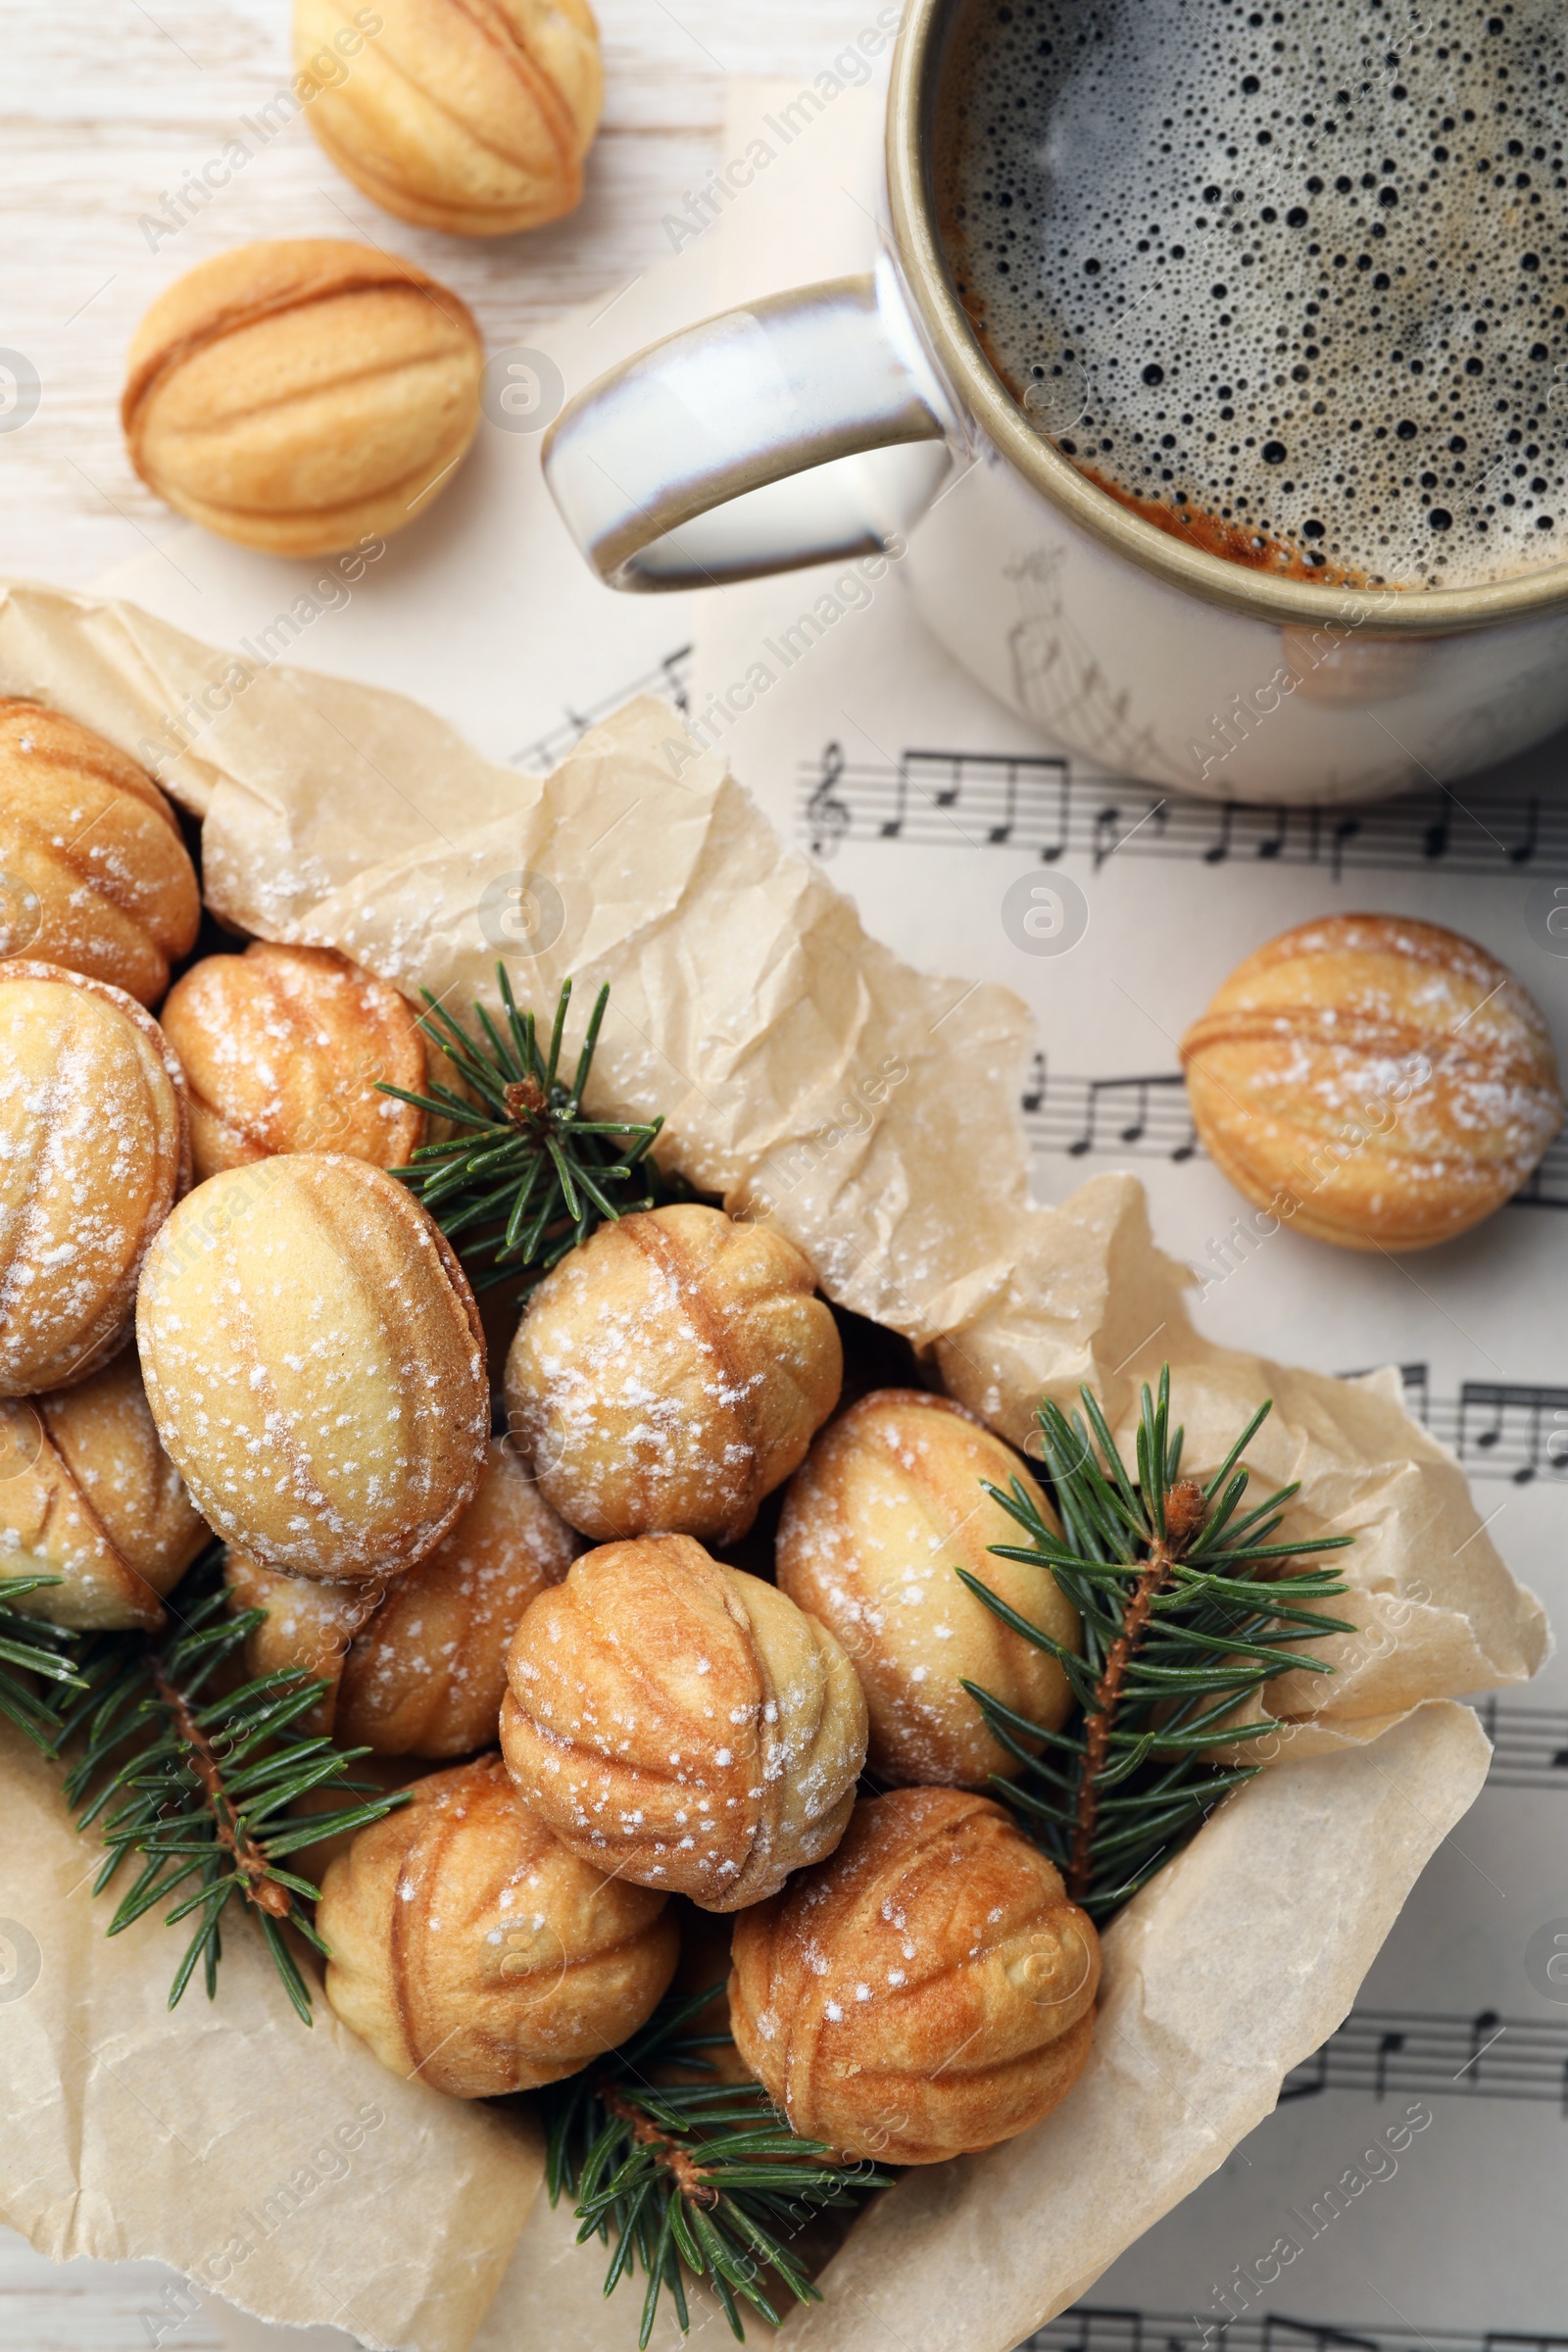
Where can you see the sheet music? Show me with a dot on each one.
(1530, 1744)
(1096, 2329)
(1046, 804)
(1391, 2051)
(669, 677)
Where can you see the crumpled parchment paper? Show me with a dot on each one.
(808, 1076)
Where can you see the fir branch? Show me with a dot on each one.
(38, 1666)
(527, 1177)
(196, 1773)
(705, 2177)
(1184, 1616)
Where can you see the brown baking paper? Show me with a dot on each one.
(810, 1077)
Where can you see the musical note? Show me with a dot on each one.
(1486, 2022)
(674, 670)
(1003, 830)
(1390, 2046)
(948, 792)
(1107, 822)
(1523, 852)
(828, 815)
(1054, 846)
(1345, 832)
(1063, 1115)
(1301, 2083)
(1526, 1433)
(891, 827)
(1134, 1133)
(1042, 801)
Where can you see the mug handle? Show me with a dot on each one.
(803, 428)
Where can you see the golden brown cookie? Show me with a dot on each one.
(88, 1495)
(281, 1050)
(304, 396)
(94, 1152)
(315, 1365)
(467, 1945)
(683, 1723)
(95, 875)
(889, 1503)
(926, 1991)
(1373, 1081)
(420, 1669)
(469, 116)
(671, 1373)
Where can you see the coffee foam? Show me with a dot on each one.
(1285, 279)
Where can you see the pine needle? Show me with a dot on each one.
(194, 1776)
(527, 1177)
(1184, 1617)
(706, 2178)
(38, 1666)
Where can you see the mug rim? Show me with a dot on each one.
(1256, 595)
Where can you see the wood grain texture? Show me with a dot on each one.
(108, 107)
(96, 2306)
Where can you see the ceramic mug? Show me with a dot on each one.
(820, 424)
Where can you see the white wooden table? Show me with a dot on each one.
(106, 107)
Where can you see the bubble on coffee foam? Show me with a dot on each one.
(1297, 269)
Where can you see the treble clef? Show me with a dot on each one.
(827, 816)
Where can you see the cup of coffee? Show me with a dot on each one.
(1251, 327)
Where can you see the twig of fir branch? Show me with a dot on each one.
(1186, 1613)
(196, 1774)
(527, 1177)
(38, 1666)
(705, 2177)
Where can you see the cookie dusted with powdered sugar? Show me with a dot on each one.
(88, 1495)
(98, 877)
(1374, 1081)
(419, 1670)
(683, 1723)
(671, 1373)
(927, 1993)
(889, 1505)
(470, 1948)
(94, 1152)
(315, 1365)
